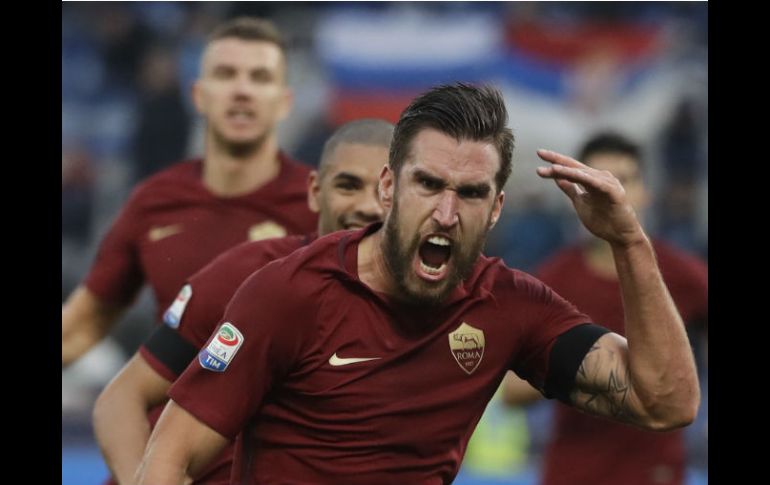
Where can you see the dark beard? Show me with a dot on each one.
(399, 262)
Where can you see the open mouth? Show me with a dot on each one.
(241, 115)
(433, 257)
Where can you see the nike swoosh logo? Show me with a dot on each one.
(160, 232)
(337, 361)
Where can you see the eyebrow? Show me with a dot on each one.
(421, 174)
(482, 188)
(346, 176)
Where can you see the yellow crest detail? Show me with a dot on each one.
(467, 346)
(266, 230)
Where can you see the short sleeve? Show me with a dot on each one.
(545, 316)
(116, 275)
(257, 343)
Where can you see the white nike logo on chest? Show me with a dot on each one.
(337, 361)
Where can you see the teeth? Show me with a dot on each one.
(439, 241)
(430, 269)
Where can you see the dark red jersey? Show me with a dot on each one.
(172, 225)
(331, 382)
(585, 449)
(197, 310)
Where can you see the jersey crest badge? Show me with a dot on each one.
(467, 346)
(173, 315)
(222, 348)
(266, 230)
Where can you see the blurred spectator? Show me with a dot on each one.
(585, 275)
(124, 41)
(77, 188)
(163, 125)
(527, 236)
(498, 447)
(681, 154)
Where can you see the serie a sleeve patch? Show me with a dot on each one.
(218, 354)
(173, 315)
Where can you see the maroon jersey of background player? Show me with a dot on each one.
(205, 297)
(585, 449)
(173, 225)
(332, 383)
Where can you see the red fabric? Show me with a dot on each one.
(404, 417)
(561, 42)
(212, 287)
(172, 226)
(584, 449)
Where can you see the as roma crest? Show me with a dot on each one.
(467, 346)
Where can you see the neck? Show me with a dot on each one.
(598, 256)
(231, 174)
(372, 269)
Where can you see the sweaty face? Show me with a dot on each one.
(444, 204)
(347, 197)
(242, 91)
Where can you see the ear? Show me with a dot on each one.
(197, 96)
(314, 191)
(386, 188)
(497, 209)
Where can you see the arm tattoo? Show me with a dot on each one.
(602, 385)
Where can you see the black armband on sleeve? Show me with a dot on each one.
(170, 348)
(567, 354)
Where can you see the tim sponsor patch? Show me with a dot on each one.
(173, 315)
(222, 348)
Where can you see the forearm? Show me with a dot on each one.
(122, 430)
(159, 471)
(85, 321)
(76, 342)
(661, 366)
(180, 447)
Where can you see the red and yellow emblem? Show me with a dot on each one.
(467, 346)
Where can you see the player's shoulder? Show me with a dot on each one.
(495, 276)
(180, 179)
(293, 170)
(252, 255)
(314, 255)
(290, 285)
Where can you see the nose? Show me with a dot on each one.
(243, 86)
(445, 213)
(369, 207)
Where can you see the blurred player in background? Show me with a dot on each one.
(178, 220)
(583, 449)
(344, 194)
(369, 356)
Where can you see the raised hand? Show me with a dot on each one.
(598, 197)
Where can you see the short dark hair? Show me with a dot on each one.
(610, 142)
(249, 28)
(460, 110)
(366, 131)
